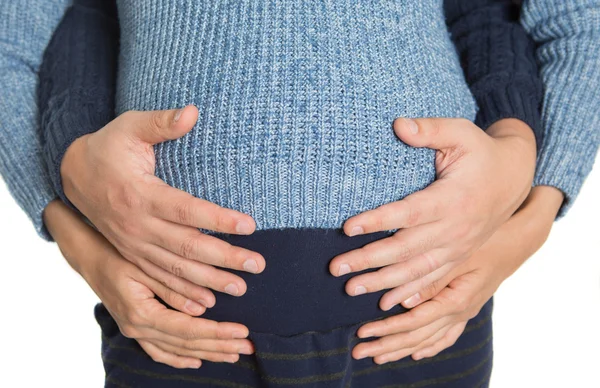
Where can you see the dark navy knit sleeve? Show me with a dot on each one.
(76, 90)
(498, 59)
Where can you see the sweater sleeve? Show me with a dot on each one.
(25, 29)
(498, 60)
(568, 36)
(77, 80)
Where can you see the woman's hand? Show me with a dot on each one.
(440, 318)
(168, 336)
(109, 177)
(482, 178)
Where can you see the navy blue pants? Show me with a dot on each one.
(303, 326)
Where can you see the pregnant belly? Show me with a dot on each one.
(296, 293)
(295, 125)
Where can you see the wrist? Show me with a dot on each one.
(70, 163)
(511, 127)
(72, 235)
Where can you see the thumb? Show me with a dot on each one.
(436, 133)
(157, 126)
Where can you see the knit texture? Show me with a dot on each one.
(77, 80)
(296, 100)
(568, 34)
(25, 29)
(498, 58)
(82, 56)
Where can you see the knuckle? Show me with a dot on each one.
(188, 247)
(177, 268)
(415, 273)
(182, 212)
(158, 120)
(128, 331)
(135, 319)
(221, 221)
(431, 262)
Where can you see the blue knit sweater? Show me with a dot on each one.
(296, 101)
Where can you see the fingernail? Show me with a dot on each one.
(356, 230)
(359, 290)
(232, 289)
(413, 300)
(192, 306)
(237, 334)
(251, 266)
(243, 227)
(178, 115)
(417, 357)
(196, 365)
(414, 128)
(232, 359)
(245, 350)
(344, 269)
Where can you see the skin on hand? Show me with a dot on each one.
(482, 178)
(168, 336)
(447, 304)
(109, 176)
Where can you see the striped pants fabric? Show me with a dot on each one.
(303, 326)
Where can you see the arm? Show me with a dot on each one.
(568, 36)
(482, 178)
(168, 336)
(497, 57)
(105, 168)
(25, 29)
(448, 304)
(78, 75)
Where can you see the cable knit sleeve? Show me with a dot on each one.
(498, 60)
(78, 80)
(25, 29)
(568, 37)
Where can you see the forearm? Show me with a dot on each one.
(71, 234)
(568, 35)
(497, 57)
(25, 29)
(77, 80)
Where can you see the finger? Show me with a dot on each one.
(157, 126)
(448, 340)
(428, 286)
(422, 207)
(229, 346)
(401, 353)
(198, 273)
(159, 355)
(180, 285)
(192, 244)
(173, 298)
(183, 208)
(422, 315)
(199, 354)
(437, 133)
(403, 245)
(191, 328)
(395, 275)
(394, 342)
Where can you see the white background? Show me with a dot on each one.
(546, 318)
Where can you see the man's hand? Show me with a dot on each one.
(449, 303)
(109, 177)
(482, 178)
(168, 336)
